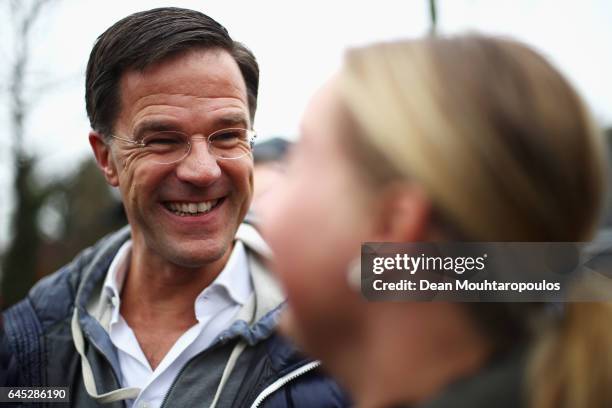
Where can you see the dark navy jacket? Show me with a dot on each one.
(8, 367)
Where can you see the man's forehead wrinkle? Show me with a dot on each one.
(215, 84)
(182, 100)
(172, 95)
(166, 102)
(184, 89)
(230, 111)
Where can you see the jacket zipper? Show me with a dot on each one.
(281, 382)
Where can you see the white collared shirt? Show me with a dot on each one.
(215, 309)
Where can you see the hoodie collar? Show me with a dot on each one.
(268, 296)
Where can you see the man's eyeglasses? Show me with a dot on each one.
(167, 147)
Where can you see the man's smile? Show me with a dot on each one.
(192, 208)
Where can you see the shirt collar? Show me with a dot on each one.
(117, 271)
(234, 277)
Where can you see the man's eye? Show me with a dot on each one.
(163, 140)
(160, 141)
(228, 136)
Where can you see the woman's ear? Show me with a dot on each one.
(404, 213)
(104, 158)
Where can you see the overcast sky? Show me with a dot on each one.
(298, 44)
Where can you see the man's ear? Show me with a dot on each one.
(404, 214)
(103, 157)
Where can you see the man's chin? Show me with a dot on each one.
(196, 260)
(194, 255)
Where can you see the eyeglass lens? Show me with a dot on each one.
(169, 146)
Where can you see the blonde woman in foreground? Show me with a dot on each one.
(451, 139)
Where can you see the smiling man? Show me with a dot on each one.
(177, 308)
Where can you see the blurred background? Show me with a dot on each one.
(54, 202)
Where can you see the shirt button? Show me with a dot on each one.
(143, 404)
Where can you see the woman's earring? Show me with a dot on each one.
(353, 274)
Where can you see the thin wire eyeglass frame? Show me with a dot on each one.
(251, 136)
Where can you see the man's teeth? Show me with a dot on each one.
(191, 208)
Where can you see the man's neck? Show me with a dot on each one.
(157, 299)
(153, 286)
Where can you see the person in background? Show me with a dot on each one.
(467, 138)
(269, 168)
(176, 309)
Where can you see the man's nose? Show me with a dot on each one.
(200, 166)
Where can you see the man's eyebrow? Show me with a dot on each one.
(156, 125)
(237, 119)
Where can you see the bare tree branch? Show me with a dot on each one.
(18, 75)
(18, 264)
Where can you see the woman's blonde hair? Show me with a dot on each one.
(507, 151)
(497, 136)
